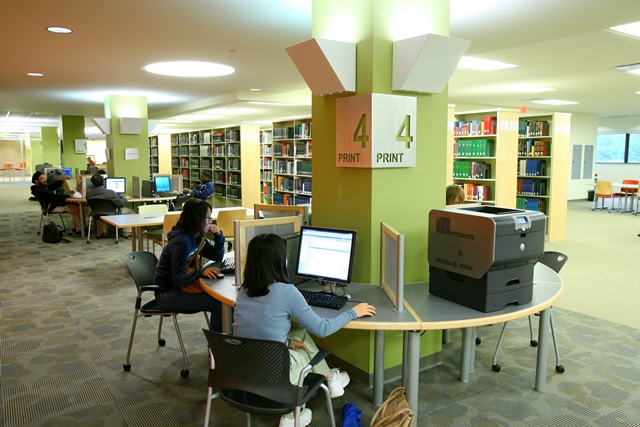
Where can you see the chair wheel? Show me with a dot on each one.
(534, 343)
(496, 367)
(88, 242)
(478, 341)
(127, 368)
(184, 373)
(560, 369)
(161, 342)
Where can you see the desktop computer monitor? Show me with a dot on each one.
(326, 254)
(67, 171)
(117, 184)
(163, 183)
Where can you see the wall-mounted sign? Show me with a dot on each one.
(376, 131)
(80, 145)
(131, 154)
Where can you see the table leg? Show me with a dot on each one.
(465, 354)
(413, 380)
(405, 357)
(140, 240)
(81, 209)
(543, 349)
(378, 368)
(227, 319)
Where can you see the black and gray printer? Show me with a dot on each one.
(483, 256)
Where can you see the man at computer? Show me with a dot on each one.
(55, 202)
(99, 192)
(205, 189)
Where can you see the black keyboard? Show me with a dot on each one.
(324, 299)
(226, 266)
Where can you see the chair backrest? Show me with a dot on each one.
(154, 208)
(102, 207)
(44, 206)
(142, 266)
(227, 217)
(628, 189)
(170, 220)
(180, 200)
(553, 260)
(603, 187)
(254, 365)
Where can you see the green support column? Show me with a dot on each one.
(48, 151)
(135, 107)
(72, 129)
(362, 198)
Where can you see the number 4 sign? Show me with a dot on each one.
(376, 131)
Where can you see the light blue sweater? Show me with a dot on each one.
(269, 316)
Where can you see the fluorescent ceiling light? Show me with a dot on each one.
(635, 71)
(632, 29)
(35, 74)
(482, 64)
(255, 89)
(189, 69)
(554, 102)
(59, 30)
(526, 88)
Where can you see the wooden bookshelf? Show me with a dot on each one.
(292, 167)
(543, 164)
(159, 155)
(266, 166)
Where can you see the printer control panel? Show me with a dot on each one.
(522, 223)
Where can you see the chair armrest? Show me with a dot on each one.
(320, 356)
(152, 288)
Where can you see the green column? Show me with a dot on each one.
(48, 152)
(72, 129)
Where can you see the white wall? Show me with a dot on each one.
(618, 172)
(584, 131)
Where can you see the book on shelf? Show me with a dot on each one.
(533, 128)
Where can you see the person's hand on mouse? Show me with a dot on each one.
(364, 309)
(211, 273)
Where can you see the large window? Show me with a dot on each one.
(618, 148)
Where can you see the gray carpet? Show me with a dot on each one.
(65, 318)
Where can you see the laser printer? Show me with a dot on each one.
(483, 256)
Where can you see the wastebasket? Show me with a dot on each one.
(590, 195)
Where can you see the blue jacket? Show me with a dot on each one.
(204, 190)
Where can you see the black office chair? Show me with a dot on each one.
(555, 261)
(97, 209)
(142, 266)
(176, 204)
(46, 213)
(252, 375)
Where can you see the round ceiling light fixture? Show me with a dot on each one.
(59, 30)
(189, 69)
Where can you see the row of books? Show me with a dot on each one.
(533, 127)
(267, 190)
(303, 185)
(284, 149)
(533, 187)
(219, 177)
(267, 163)
(220, 190)
(234, 193)
(266, 137)
(303, 149)
(534, 148)
(283, 166)
(532, 167)
(486, 126)
(265, 175)
(303, 168)
(266, 150)
(283, 183)
(290, 199)
(531, 204)
(301, 131)
(234, 178)
(233, 164)
(477, 192)
(233, 149)
(474, 148)
(473, 170)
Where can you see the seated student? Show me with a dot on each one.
(90, 161)
(205, 189)
(55, 201)
(99, 192)
(266, 304)
(171, 271)
(455, 195)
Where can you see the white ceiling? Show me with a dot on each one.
(562, 44)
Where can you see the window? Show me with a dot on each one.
(618, 148)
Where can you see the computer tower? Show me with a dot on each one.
(292, 241)
(148, 188)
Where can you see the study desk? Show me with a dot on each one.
(425, 312)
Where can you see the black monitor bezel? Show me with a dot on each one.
(321, 279)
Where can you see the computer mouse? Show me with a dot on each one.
(220, 276)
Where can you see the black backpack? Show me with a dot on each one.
(52, 233)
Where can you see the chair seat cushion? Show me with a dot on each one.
(151, 307)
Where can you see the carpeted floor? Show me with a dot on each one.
(65, 318)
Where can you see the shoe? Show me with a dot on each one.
(337, 382)
(287, 419)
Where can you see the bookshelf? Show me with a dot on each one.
(266, 166)
(159, 154)
(483, 155)
(543, 162)
(231, 155)
(292, 167)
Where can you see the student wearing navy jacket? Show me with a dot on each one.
(205, 189)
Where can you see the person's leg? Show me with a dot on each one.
(301, 334)
(72, 209)
(176, 300)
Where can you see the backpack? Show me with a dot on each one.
(52, 233)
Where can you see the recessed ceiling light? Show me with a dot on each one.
(526, 88)
(255, 89)
(189, 69)
(59, 30)
(35, 74)
(554, 102)
(632, 29)
(482, 64)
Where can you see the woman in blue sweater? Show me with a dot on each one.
(266, 304)
(171, 271)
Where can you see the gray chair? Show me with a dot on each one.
(97, 209)
(555, 261)
(46, 213)
(252, 375)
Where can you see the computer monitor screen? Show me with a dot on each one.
(163, 183)
(326, 254)
(67, 171)
(119, 185)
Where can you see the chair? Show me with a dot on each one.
(170, 220)
(176, 204)
(627, 192)
(604, 190)
(46, 213)
(555, 261)
(225, 222)
(142, 266)
(252, 375)
(97, 209)
(154, 231)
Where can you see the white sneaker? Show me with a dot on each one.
(287, 419)
(337, 382)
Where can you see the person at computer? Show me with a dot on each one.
(454, 195)
(171, 271)
(90, 161)
(267, 303)
(205, 189)
(100, 192)
(55, 201)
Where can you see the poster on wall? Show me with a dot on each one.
(81, 146)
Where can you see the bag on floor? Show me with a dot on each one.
(52, 233)
(394, 412)
(194, 264)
